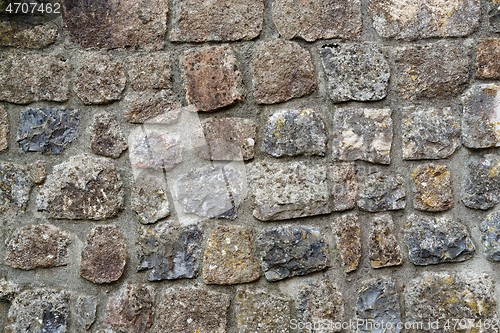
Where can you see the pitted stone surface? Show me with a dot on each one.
(150, 71)
(362, 134)
(292, 69)
(84, 187)
(343, 186)
(490, 232)
(212, 77)
(410, 20)
(381, 190)
(356, 72)
(38, 172)
(143, 106)
(430, 133)
(4, 129)
(481, 184)
(348, 234)
(106, 136)
(295, 132)
(27, 35)
(432, 190)
(435, 240)
(37, 246)
(149, 197)
(384, 248)
(494, 15)
(488, 59)
(15, 187)
(292, 251)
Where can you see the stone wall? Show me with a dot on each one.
(250, 166)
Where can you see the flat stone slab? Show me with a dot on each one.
(16, 187)
(27, 35)
(348, 240)
(149, 198)
(481, 182)
(432, 190)
(488, 59)
(384, 247)
(106, 136)
(490, 232)
(381, 190)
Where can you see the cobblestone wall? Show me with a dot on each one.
(250, 166)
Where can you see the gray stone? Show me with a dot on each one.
(143, 106)
(106, 136)
(490, 232)
(292, 69)
(381, 190)
(348, 236)
(356, 72)
(28, 35)
(434, 240)
(430, 133)
(432, 190)
(150, 71)
(149, 197)
(83, 188)
(170, 251)
(47, 130)
(8, 290)
(384, 248)
(494, 15)
(362, 134)
(4, 129)
(292, 251)
(318, 19)
(481, 116)
(343, 186)
(83, 312)
(411, 20)
(295, 132)
(481, 184)
(15, 189)
(488, 58)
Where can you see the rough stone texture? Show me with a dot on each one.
(436, 70)
(83, 312)
(115, 24)
(295, 132)
(481, 184)
(432, 191)
(490, 232)
(319, 19)
(15, 187)
(27, 35)
(348, 234)
(22, 75)
(441, 296)
(343, 186)
(104, 255)
(292, 69)
(132, 309)
(378, 304)
(261, 312)
(291, 251)
(381, 190)
(410, 20)
(37, 246)
(170, 251)
(430, 133)
(362, 134)
(8, 290)
(39, 310)
(494, 15)
(150, 71)
(47, 130)
(106, 136)
(384, 248)
(435, 240)
(356, 72)
(4, 129)
(149, 198)
(84, 187)
(229, 256)
(192, 310)
(143, 106)
(212, 77)
(38, 172)
(292, 190)
(488, 59)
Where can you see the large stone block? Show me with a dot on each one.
(381, 190)
(432, 190)
(481, 183)
(106, 136)
(488, 59)
(384, 248)
(348, 235)
(28, 35)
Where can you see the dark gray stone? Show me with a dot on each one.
(106, 136)
(481, 184)
(83, 312)
(490, 231)
(15, 187)
(149, 197)
(381, 190)
(494, 15)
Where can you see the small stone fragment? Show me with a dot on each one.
(381, 190)
(8, 290)
(104, 255)
(106, 137)
(150, 71)
(4, 129)
(15, 187)
(494, 15)
(292, 251)
(229, 256)
(481, 184)
(432, 189)
(435, 240)
(384, 248)
(149, 197)
(488, 59)
(348, 235)
(292, 69)
(343, 186)
(47, 130)
(357, 72)
(295, 132)
(27, 35)
(38, 172)
(144, 105)
(490, 230)
(83, 311)
(362, 134)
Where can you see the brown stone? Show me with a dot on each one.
(148, 197)
(106, 137)
(488, 59)
(104, 255)
(432, 188)
(143, 106)
(150, 71)
(212, 77)
(384, 248)
(4, 129)
(348, 234)
(38, 172)
(27, 35)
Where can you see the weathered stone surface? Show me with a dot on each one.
(115, 24)
(494, 15)
(435, 240)
(348, 234)
(432, 191)
(295, 132)
(430, 133)
(285, 191)
(4, 129)
(226, 20)
(37, 246)
(343, 186)
(150, 71)
(144, 105)
(291, 251)
(381, 190)
(104, 255)
(84, 187)
(38, 172)
(488, 59)
(441, 296)
(481, 184)
(229, 256)
(149, 197)
(39, 310)
(83, 312)
(29, 36)
(106, 136)
(8, 290)
(212, 77)
(384, 248)
(132, 309)
(47, 130)
(292, 69)
(192, 310)
(318, 19)
(410, 20)
(490, 232)
(170, 251)
(362, 134)
(439, 69)
(21, 76)
(356, 72)
(15, 187)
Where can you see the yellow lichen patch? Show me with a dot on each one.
(449, 280)
(493, 172)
